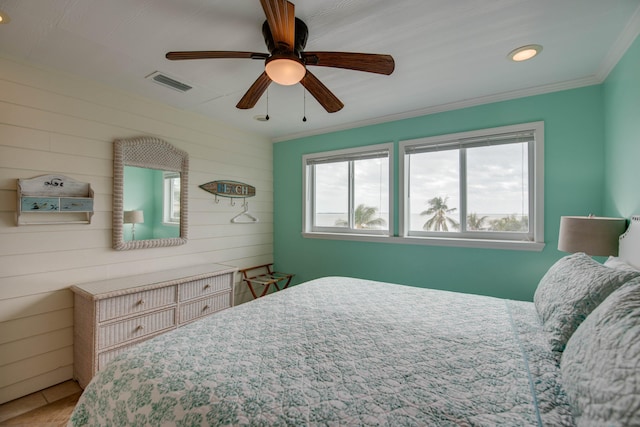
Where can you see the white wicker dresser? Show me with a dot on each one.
(112, 315)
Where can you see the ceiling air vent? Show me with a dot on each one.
(167, 81)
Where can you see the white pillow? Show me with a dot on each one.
(600, 366)
(615, 262)
(570, 290)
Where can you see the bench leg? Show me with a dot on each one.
(288, 281)
(253, 292)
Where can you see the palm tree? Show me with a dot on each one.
(439, 209)
(510, 223)
(474, 223)
(364, 218)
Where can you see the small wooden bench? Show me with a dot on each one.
(265, 277)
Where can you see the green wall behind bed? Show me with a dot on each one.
(574, 185)
(622, 135)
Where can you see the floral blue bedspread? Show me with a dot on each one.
(340, 351)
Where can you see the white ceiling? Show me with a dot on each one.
(448, 53)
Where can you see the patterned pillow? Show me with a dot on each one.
(570, 290)
(601, 365)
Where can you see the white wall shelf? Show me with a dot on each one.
(54, 199)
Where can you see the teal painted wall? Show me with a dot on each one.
(144, 190)
(622, 135)
(574, 185)
(161, 230)
(137, 197)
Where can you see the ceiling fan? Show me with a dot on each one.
(286, 63)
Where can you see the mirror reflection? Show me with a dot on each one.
(151, 204)
(150, 194)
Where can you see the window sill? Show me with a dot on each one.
(433, 241)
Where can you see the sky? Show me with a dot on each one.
(496, 177)
(371, 186)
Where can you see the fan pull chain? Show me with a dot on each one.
(304, 104)
(267, 116)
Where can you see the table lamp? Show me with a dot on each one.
(133, 218)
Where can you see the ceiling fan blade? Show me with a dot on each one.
(321, 93)
(254, 93)
(214, 54)
(369, 62)
(282, 22)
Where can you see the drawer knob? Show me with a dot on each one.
(140, 302)
(206, 287)
(139, 328)
(205, 308)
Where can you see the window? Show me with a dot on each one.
(348, 191)
(171, 210)
(482, 185)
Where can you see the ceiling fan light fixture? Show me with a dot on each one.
(285, 70)
(524, 53)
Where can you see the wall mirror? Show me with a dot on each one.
(150, 180)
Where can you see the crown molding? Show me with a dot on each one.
(505, 96)
(620, 46)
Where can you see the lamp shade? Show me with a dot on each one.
(595, 236)
(133, 217)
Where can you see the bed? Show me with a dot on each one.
(345, 351)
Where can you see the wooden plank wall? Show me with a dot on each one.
(56, 123)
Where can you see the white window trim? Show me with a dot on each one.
(513, 245)
(537, 245)
(307, 203)
(167, 197)
(494, 240)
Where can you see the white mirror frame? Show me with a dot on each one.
(154, 153)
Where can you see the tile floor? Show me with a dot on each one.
(38, 399)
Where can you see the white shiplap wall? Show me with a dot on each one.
(56, 123)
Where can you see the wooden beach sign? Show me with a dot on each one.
(229, 189)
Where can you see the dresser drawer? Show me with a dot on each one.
(124, 305)
(204, 307)
(207, 286)
(107, 356)
(135, 328)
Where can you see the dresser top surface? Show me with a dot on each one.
(114, 286)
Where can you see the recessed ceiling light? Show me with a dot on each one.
(4, 18)
(525, 52)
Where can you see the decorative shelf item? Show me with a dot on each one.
(54, 199)
(233, 190)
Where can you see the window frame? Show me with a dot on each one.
(534, 239)
(308, 188)
(168, 199)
